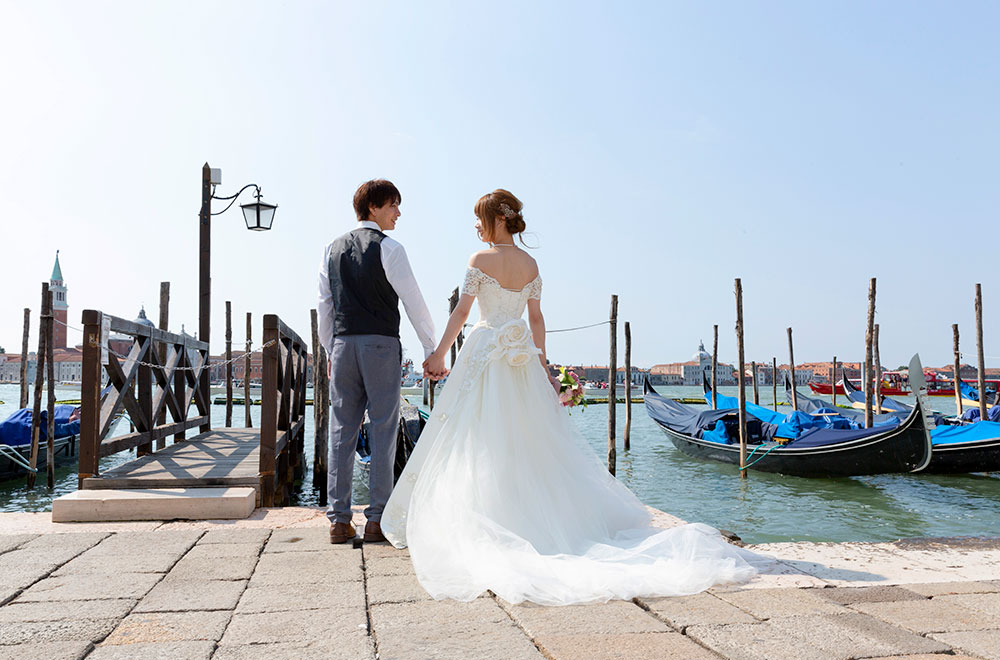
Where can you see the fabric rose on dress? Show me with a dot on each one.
(513, 343)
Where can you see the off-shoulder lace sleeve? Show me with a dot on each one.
(535, 289)
(473, 279)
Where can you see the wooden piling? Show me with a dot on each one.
(229, 364)
(833, 379)
(715, 366)
(958, 369)
(741, 379)
(321, 412)
(24, 358)
(628, 387)
(756, 396)
(164, 322)
(36, 411)
(50, 429)
(774, 382)
(869, 338)
(979, 352)
(612, 375)
(878, 374)
(452, 304)
(246, 373)
(791, 372)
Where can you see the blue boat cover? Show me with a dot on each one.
(16, 429)
(972, 414)
(810, 404)
(946, 435)
(796, 424)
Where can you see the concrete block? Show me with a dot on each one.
(355, 647)
(154, 504)
(9, 542)
(146, 627)
(46, 651)
(982, 643)
(188, 595)
(287, 597)
(66, 610)
(213, 568)
(80, 630)
(199, 650)
(772, 603)
(395, 589)
(944, 588)
(848, 595)
(684, 611)
(449, 629)
(235, 535)
(309, 627)
(91, 586)
(928, 616)
(219, 550)
(616, 616)
(631, 646)
(318, 567)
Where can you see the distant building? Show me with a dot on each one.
(693, 371)
(823, 371)
(60, 307)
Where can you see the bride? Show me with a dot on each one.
(501, 493)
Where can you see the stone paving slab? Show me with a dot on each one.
(66, 610)
(616, 616)
(299, 540)
(136, 543)
(285, 597)
(395, 589)
(383, 550)
(186, 595)
(104, 563)
(197, 650)
(479, 629)
(944, 588)
(91, 587)
(335, 565)
(148, 627)
(221, 550)
(72, 544)
(235, 535)
(848, 595)
(356, 647)
(630, 646)
(772, 603)
(928, 616)
(988, 603)
(846, 564)
(9, 542)
(84, 630)
(46, 651)
(212, 568)
(312, 626)
(387, 564)
(704, 608)
(983, 643)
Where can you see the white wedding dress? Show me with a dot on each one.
(501, 493)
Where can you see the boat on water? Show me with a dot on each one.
(896, 383)
(970, 397)
(796, 444)
(15, 440)
(956, 447)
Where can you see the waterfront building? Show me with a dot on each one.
(823, 371)
(60, 306)
(692, 371)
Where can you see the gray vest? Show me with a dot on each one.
(364, 301)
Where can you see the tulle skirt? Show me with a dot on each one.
(502, 494)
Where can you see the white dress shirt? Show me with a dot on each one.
(400, 276)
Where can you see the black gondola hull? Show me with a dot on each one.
(65, 450)
(979, 456)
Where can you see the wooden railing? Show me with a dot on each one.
(283, 409)
(142, 385)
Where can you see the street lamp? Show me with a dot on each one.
(258, 215)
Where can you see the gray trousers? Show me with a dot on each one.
(365, 374)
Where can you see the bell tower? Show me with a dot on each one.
(60, 308)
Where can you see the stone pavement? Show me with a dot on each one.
(272, 587)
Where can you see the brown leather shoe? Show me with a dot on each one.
(342, 532)
(373, 533)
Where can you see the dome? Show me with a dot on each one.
(702, 354)
(142, 320)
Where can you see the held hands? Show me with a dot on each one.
(434, 367)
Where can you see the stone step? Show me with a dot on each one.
(154, 504)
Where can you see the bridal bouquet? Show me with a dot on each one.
(570, 388)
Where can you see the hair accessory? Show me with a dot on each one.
(507, 211)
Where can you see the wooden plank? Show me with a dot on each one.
(123, 442)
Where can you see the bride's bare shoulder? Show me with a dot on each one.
(479, 258)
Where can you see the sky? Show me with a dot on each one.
(661, 150)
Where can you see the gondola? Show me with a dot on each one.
(15, 441)
(818, 452)
(955, 448)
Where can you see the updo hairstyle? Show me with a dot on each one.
(500, 205)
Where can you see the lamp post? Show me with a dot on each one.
(258, 216)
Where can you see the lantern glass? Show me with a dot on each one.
(258, 215)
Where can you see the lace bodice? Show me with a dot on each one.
(498, 305)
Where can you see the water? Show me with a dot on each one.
(763, 508)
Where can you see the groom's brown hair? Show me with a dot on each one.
(377, 193)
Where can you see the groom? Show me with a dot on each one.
(363, 277)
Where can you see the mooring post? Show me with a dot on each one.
(164, 318)
(833, 379)
(756, 395)
(321, 411)
(715, 366)
(741, 377)
(36, 411)
(791, 371)
(869, 338)
(878, 374)
(774, 381)
(979, 352)
(50, 429)
(958, 369)
(612, 375)
(246, 373)
(24, 358)
(626, 444)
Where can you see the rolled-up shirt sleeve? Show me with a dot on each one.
(400, 276)
(325, 309)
